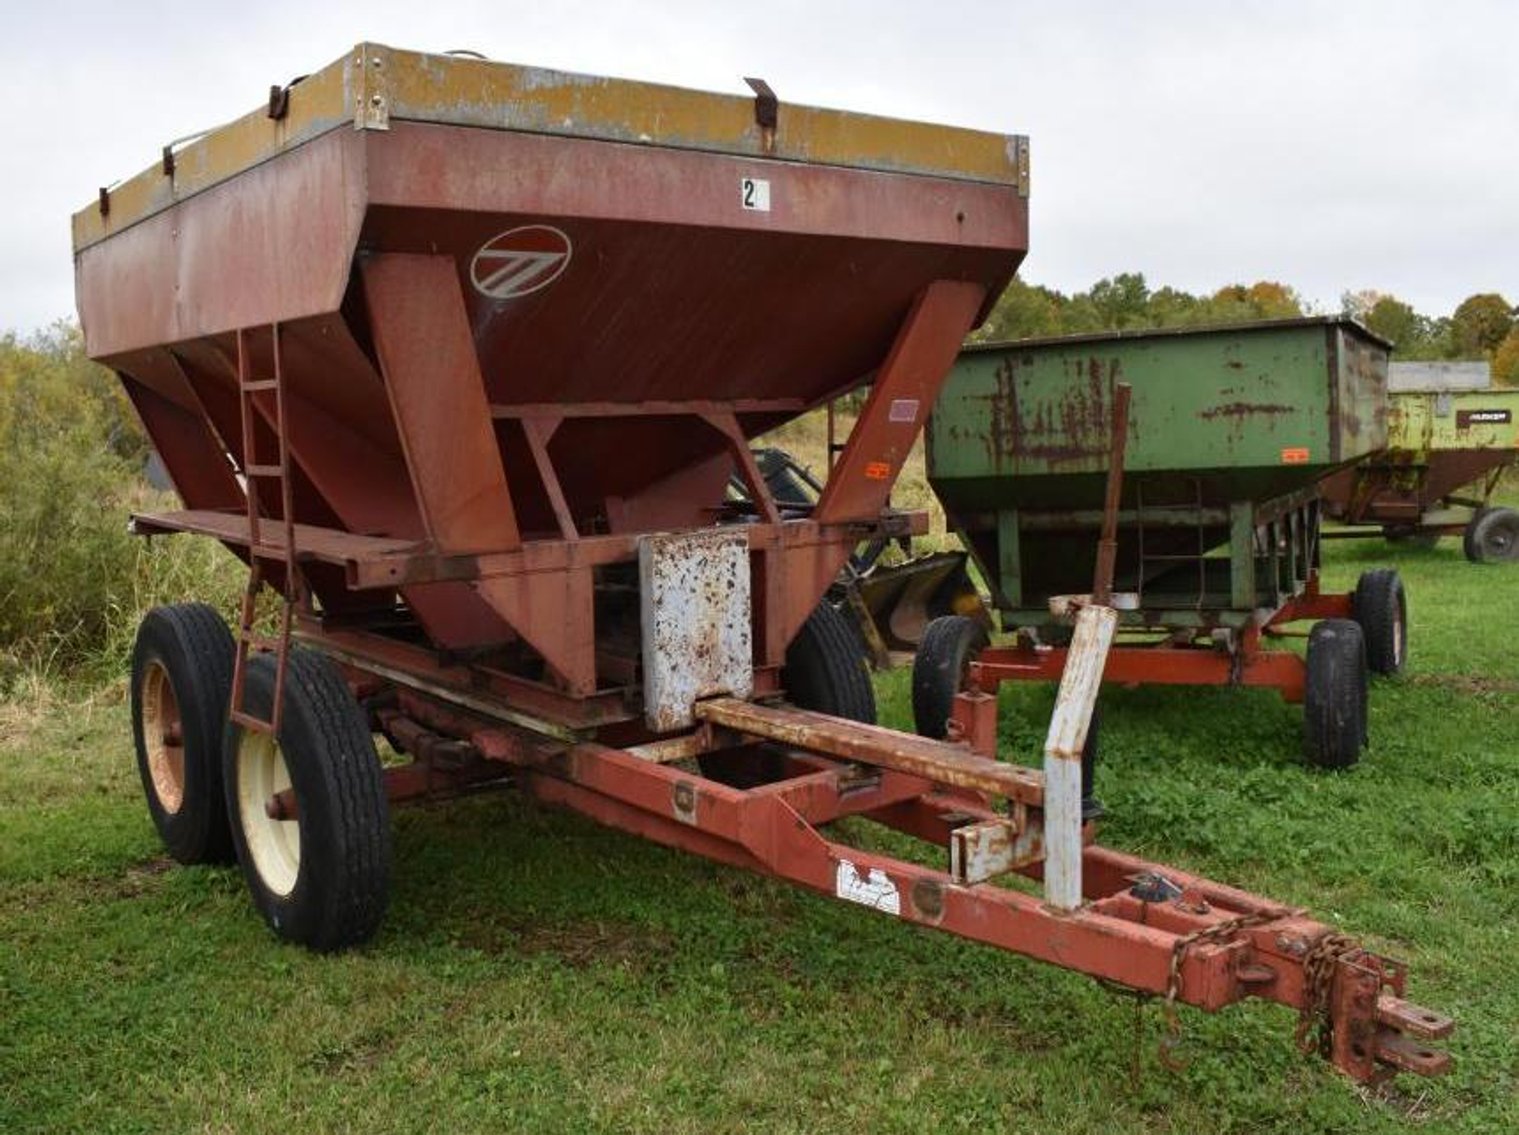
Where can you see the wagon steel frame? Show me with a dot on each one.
(392, 481)
(1273, 544)
(1193, 941)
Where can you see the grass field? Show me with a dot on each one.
(540, 973)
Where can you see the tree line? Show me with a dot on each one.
(1483, 326)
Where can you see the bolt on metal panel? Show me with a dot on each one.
(694, 595)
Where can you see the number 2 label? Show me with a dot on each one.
(754, 193)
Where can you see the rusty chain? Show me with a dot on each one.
(1314, 1018)
(1218, 932)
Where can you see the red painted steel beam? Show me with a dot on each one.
(763, 832)
(1313, 605)
(190, 450)
(1249, 948)
(1210, 945)
(1279, 670)
(743, 457)
(437, 395)
(859, 483)
(900, 398)
(427, 354)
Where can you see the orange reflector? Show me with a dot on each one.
(1295, 455)
(880, 470)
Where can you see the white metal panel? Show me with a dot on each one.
(1440, 375)
(1082, 678)
(697, 638)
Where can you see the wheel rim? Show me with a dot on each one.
(1498, 541)
(163, 737)
(1398, 635)
(274, 845)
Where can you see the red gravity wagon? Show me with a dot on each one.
(459, 358)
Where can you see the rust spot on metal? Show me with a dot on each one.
(1243, 410)
(683, 801)
(927, 897)
(1073, 428)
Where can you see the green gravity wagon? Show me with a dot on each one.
(1448, 445)
(1229, 433)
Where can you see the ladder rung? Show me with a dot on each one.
(263, 471)
(260, 641)
(248, 721)
(256, 384)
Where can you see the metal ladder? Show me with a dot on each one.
(1146, 558)
(261, 554)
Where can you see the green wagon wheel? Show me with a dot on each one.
(1493, 536)
(1381, 608)
(1334, 696)
(945, 652)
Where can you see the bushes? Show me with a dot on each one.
(72, 581)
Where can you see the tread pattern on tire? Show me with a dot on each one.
(345, 898)
(1381, 608)
(1468, 538)
(826, 668)
(1334, 698)
(201, 833)
(946, 646)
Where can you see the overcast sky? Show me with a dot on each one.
(1329, 146)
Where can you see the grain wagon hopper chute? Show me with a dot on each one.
(459, 356)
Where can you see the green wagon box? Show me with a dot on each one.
(1230, 431)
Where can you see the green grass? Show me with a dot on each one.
(538, 972)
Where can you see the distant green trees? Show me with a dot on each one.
(1483, 326)
(1126, 302)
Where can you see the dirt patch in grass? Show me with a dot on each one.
(1466, 683)
(579, 945)
(140, 876)
(135, 881)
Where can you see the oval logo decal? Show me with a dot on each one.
(519, 261)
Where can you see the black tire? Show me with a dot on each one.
(949, 645)
(331, 891)
(1056, 635)
(1334, 699)
(826, 669)
(181, 683)
(1468, 547)
(1492, 537)
(1381, 609)
(1091, 807)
